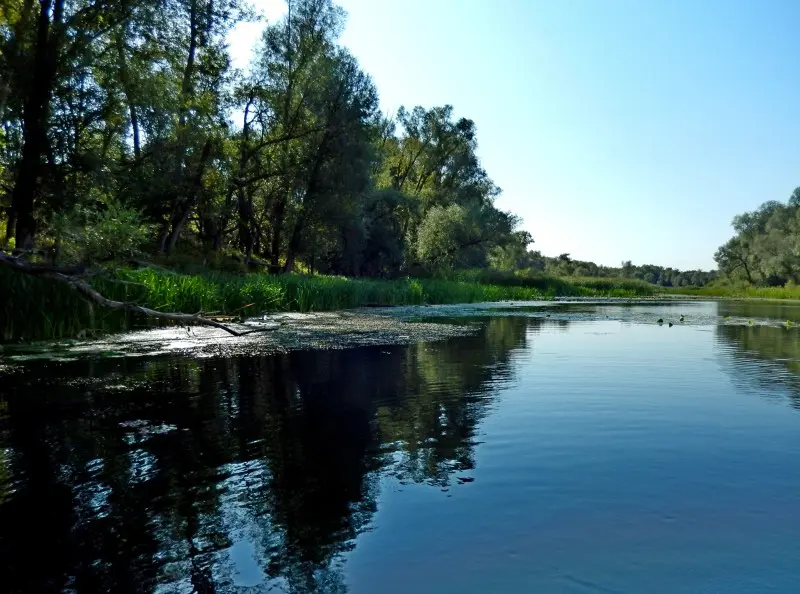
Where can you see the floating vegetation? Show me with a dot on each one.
(38, 309)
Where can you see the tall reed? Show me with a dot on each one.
(34, 309)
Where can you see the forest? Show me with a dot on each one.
(126, 130)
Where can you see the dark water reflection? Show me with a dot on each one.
(536, 455)
(126, 475)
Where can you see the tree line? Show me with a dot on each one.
(125, 125)
(765, 249)
(512, 258)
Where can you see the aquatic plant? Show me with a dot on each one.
(33, 308)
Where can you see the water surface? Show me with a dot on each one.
(561, 448)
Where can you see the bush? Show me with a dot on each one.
(86, 236)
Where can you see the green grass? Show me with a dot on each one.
(563, 287)
(747, 292)
(36, 309)
(615, 287)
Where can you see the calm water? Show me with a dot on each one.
(589, 451)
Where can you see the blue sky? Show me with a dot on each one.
(618, 129)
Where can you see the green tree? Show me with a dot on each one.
(766, 246)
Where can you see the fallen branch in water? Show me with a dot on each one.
(73, 277)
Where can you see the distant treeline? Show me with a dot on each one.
(766, 247)
(564, 266)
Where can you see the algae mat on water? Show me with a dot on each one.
(376, 326)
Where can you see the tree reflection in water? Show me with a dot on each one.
(178, 475)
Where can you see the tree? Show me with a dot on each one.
(766, 246)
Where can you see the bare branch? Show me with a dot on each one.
(88, 293)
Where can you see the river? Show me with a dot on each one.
(572, 448)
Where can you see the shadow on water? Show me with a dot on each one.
(763, 357)
(174, 474)
(775, 310)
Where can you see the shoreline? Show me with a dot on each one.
(39, 309)
(358, 327)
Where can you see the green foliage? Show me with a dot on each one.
(311, 171)
(562, 287)
(88, 236)
(440, 235)
(564, 266)
(32, 308)
(616, 287)
(766, 248)
(741, 292)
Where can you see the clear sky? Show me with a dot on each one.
(618, 129)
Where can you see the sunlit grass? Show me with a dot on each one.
(739, 292)
(36, 309)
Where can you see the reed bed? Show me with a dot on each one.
(38, 309)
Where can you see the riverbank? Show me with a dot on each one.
(389, 326)
(38, 309)
(769, 293)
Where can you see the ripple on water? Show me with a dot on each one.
(592, 450)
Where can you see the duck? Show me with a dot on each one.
(670, 324)
(683, 318)
(660, 321)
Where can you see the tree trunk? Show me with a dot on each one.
(747, 271)
(245, 205)
(36, 113)
(184, 207)
(277, 229)
(312, 188)
(294, 245)
(127, 89)
(244, 201)
(188, 71)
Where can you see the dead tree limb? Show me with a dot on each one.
(73, 277)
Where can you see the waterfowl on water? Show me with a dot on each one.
(670, 324)
(682, 318)
(660, 321)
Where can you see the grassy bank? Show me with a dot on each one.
(739, 292)
(36, 309)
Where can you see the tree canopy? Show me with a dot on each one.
(124, 128)
(127, 116)
(765, 249)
